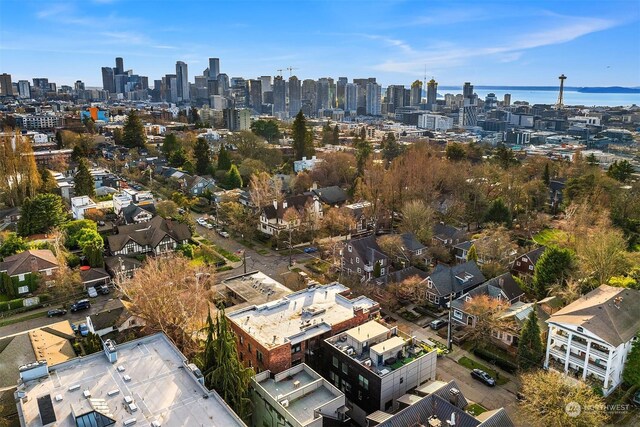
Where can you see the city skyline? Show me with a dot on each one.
(595, 44)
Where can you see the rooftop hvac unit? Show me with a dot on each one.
(367, 362)
(285, 403)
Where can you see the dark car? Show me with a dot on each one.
(83, 304)
(102, 289)
(483, 377)
(438, 324)
(310, 250)
(56, 312)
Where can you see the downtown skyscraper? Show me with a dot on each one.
(182, 80)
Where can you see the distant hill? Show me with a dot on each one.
(610, 89)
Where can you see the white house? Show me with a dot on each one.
(81, 204)
(273, 218)
(591, 337)
(306, 164)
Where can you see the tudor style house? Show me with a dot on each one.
(503, 288)
(591, 337)
(525, 264)
(360, 257)
(273, 219)
(157, 236)
(455, 280)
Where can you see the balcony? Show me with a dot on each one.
(368, 268)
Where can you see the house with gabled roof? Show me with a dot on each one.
(502, 288)
(525, 264)
(134, 214)
(157, 236)
(591, 337)
(455, 280)
(272, 217)
(20, 268)
(360, 257)
(447, 235)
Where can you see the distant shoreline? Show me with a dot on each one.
(611, 89)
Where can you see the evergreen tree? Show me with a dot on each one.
(83, 181)
(390, 147)
(223, 370)
(94, 253)
(620, 170)
(455, 152)
(41, 214)
(224, 160)
(327, 134)
(546, 175)
(133, 134)
(268, 129)
(178, 158)
(11, 245)
(195, 117)
(631, 373)
(592, 160)
(530, 348)
(336, 135)
(47, 182)
(234, 180)
(499, 213)
(202, 156)
(363, 152)
(505, 157)
(554, 267)
(59, 143)
(377, 270)
(472, 255)
(170, 144)
(300, 136)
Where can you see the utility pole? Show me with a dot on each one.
(449, 346)
(244, 260)
(290, 247)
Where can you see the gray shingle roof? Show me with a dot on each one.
(333, 195)
(411, 242)
(368, 249)
(447, 279)
(28, 261)
(149, 233)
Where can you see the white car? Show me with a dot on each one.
(92, 292)
(224, 234)
(209, 226)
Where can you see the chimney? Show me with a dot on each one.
(34, 264)
(275, 204)
(314, 186)
(501, 281)
(454, 395)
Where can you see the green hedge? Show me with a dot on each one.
(504, 364)
(11, 305)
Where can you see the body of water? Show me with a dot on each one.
(551, 97)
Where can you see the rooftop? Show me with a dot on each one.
(304, 392)
(300, 315)
(256, 287)
(150, 371)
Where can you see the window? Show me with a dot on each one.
(359, 394)
(349, 248)
(363, 382)
(346, 387)
(21, 278)
(332, 376)
(345, 368)
(241, 340)
(518, 263)
(359, 270)
(580, 329)
(531, 267)
(49, 272)
(382, 271)
(296, 348)
(249, 346)
(357, 259)
(457, 314)
(335, 362)
(401, 380)
(259, 355)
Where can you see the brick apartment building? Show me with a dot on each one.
(286, 332)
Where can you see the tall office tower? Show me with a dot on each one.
(332, 93)
(266, 84)
(41, 83)
(182, 75)
(490, 102)
(322, 96)
(295, 96)
(201, 82)
(279, 96)
(351, 97)
(362, 94)
(395, 96)
(341, 92)
(214, 68)
(373, 99)
(24, 89)
(507, 100)
(119, 67)
(416, 93)
(6, 86)
(467, 90)
(255, 94)
(108, 81)
(78, 85)
(432, 94)
(120, 82)
(223, 84)
(169, 91)
(144, 82)
(309, 94)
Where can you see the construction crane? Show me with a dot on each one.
(290, 70)
(279, 71)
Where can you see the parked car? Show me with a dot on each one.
(103, 289)
(56, 312)
(482, 376)
(83, 304)
(209, 226)
(181, 211)
(310, 250)
(84, 329)
(438, 324)
(224, 234)
(92, 292)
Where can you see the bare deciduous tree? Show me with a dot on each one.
(172, 296)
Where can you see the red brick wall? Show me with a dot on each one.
(275, 359)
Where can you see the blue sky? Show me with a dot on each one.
(510, 42)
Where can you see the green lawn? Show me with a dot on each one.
(262, 251)
(22, 319)
(225, 253)
(550, 237)
(475, 409)
(472, 364)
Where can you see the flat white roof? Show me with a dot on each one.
(160, 384)
(302, 314)
(367, 330)
(391, 343)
